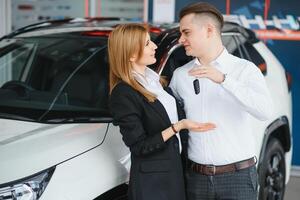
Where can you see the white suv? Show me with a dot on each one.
(57, 140)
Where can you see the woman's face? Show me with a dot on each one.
(148, 56)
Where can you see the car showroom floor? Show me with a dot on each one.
(293, 188)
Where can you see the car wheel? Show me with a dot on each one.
(272, 172)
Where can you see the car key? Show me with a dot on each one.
(196, 86)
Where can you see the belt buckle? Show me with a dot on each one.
(211, 169)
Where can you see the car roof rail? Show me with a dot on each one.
(104, 18)
(50, 23)
(36, 26)
(237, 28)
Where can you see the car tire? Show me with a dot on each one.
(272, 172)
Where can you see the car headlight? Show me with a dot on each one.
(30, 188)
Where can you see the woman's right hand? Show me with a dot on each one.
(194, 126)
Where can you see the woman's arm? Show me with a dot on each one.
(127, 113)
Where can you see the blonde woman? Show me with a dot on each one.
(147, 116)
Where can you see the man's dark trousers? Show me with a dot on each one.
(238, 185)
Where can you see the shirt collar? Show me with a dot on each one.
(150, 75)
(219, 62)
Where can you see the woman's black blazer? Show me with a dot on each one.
(156, 170)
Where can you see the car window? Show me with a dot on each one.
(13, 60)
(83, 81)
(233, 46)
(240, 47)
(256, 58)
(176, 59)
(49, 77)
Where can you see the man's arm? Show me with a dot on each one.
(249, 89)
(252, 93)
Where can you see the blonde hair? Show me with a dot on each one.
(123, 42)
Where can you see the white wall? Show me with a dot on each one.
(41, 10)
(5, 17)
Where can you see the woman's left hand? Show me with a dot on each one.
(195, 126)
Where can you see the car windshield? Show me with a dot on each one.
(54, 78)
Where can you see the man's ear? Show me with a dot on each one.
(210, 29)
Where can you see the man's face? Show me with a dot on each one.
(194, 35)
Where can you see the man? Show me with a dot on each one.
(219, 87)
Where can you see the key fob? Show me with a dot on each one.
(196, 86)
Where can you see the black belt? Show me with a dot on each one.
(210, 170)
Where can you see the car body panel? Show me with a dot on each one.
(282, 97)
(91, 174)
(34, 147)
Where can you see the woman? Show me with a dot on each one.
(147, 116)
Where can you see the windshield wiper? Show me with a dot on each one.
(80, 120)
(14, 116)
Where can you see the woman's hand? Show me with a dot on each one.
(186, 124)
(194, 126)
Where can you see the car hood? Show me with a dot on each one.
(27, 148)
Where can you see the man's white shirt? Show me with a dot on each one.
(229, 105)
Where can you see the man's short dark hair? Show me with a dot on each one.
(205, 8)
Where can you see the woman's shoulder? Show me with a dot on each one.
(124, 96)
(123, 89)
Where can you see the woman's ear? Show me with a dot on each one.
(133, 58)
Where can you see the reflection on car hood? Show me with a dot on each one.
(27, 148)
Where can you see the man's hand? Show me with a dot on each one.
(207, 71)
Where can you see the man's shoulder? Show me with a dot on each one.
(234, 58)
(241, 63)
(185, 67)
